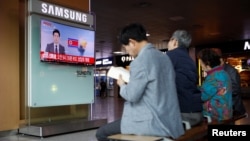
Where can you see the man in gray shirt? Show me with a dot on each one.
(151, 105)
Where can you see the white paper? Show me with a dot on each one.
(114, 72)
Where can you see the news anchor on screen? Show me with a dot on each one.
(55, 47)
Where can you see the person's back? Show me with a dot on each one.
(151, 104)
(218, 100)
(103, 89)
(186, 77)
(186, 81)
(153, 98)
(216, 88)
(238, 106)
(103, 86)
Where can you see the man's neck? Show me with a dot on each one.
(141, 45)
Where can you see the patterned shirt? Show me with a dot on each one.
(217, 94)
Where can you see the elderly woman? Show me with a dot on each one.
(216, 88)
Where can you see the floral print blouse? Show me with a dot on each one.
(217, 94)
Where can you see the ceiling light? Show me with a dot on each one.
(147, 34)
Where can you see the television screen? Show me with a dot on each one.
(66, 44)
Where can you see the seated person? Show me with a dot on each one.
(186, 77)
(151, 105)
(238, 106)
(216, 90)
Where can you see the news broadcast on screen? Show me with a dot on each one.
(78, 43)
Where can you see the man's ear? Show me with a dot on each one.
(175, 43)
(133, 42)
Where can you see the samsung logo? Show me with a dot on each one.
(63, 13)
(60, 12)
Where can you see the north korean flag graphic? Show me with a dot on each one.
(72, 42)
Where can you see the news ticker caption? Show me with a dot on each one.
(241, 132)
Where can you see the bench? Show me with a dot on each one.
(232, 120)
(123, 137)
(191, 133)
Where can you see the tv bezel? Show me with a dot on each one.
(69, 24)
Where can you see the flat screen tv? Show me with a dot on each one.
(75, 45)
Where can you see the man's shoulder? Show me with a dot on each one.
(228, 67)
(177, 52)
(50, 44)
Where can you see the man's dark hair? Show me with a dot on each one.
(56, 31)
(133, 31)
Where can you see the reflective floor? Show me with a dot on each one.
(109, 108)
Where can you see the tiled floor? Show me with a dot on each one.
(110, 108)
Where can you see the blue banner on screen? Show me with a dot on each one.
(76, 45)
